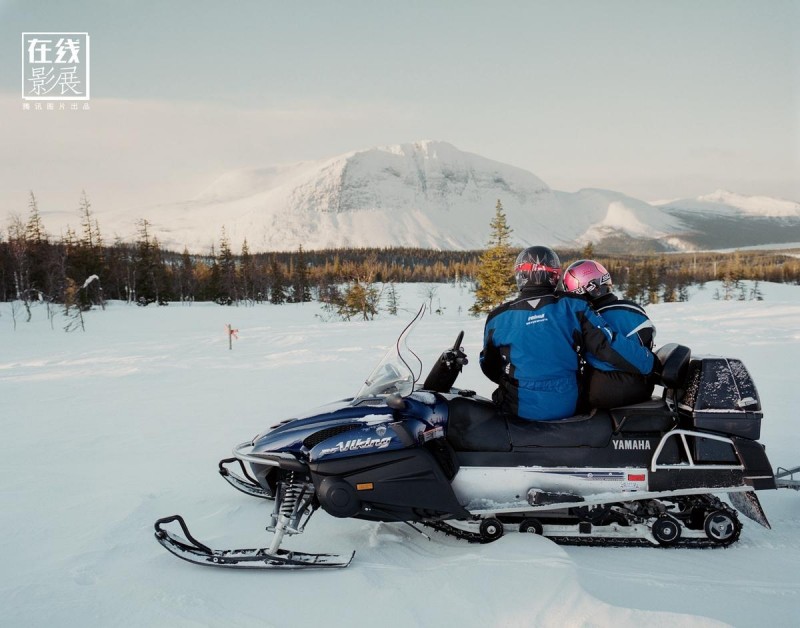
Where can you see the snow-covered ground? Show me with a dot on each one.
(106, 430)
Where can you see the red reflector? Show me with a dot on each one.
(636, 478)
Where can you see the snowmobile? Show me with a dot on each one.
(434, 456)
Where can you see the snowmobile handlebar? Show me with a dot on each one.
(446, 369)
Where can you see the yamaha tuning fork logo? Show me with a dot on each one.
(55, 68)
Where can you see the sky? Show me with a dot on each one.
(655, 99)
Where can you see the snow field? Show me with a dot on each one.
(108, 430)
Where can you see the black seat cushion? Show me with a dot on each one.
(579, 431)
(648, 416)
(475, 425)
(479, 426)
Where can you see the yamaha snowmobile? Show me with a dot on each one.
(447, 459)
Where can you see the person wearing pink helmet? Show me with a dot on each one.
(604, 385)
(532, 343)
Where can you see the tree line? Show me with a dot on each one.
(81, 269)
(645, 279)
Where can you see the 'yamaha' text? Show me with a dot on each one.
(631, 444)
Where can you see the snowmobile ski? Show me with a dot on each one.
(191, 550)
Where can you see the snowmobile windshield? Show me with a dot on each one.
(398, 371)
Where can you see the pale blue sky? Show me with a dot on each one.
(655, 99)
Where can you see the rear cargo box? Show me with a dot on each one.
(720, 396)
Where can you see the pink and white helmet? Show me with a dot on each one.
(587, 277)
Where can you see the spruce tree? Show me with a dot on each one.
(301, 292)
(227, 271)
(34, 231)
(186, 276)
(143, 270)
(38, 252)
(495, 276)
(278, 287)
(247, 274)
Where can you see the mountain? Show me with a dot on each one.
(728, 220)
(430, 194)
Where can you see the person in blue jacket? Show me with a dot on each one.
(605, 386)
(532, 344)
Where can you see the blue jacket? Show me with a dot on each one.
(626, 318)
(531, 349)
(607, 386)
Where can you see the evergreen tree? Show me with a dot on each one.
(495, 276)
(635, 287)
(651, 284)
(247, 274)
(301, 292)
(85, 256)
(213, 285)
(86, 222)
(227, 272)
(278, 288)
(34, 231)
(148, 268)
(186, 277)
(18, 249)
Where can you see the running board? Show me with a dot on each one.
(191, 550)
(604, 498)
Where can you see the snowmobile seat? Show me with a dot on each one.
(674, 360)
(475, 425)
(583, 430)
(648, 416)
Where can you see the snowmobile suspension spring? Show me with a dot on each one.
(293, 492)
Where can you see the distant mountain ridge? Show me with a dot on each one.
(430, 194)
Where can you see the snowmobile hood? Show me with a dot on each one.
(301, 432)
(343, 429)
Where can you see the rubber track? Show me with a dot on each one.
(475, 537)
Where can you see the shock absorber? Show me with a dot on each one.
(292, 501)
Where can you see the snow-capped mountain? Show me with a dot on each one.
(728, 220)
(727, 203)
(430, 194)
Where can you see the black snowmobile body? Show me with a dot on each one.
(448, 459)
